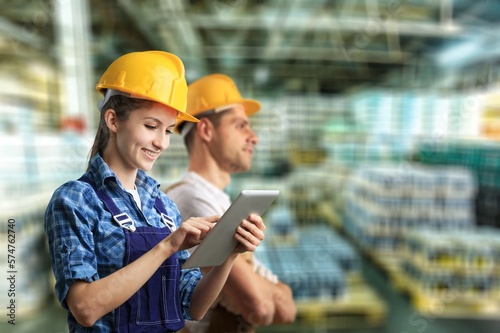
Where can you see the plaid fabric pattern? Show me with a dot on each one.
(86, 244)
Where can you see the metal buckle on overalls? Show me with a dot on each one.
(125, 221)
(168, 221)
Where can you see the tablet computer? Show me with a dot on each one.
(220, 242)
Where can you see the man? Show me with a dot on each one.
(222, 144)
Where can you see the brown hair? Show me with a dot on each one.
(214, 118)
(123, 106)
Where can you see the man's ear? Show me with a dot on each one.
(111, 120)
(205, 129)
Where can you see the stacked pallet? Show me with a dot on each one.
(418, 224)
(315, 265)
(381, 203)
(454, 273)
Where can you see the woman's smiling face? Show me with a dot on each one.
(144, 136)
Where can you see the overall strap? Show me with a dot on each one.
(123, 219)
(160, 207)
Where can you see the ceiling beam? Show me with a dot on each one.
(307, 53)
(329, 23)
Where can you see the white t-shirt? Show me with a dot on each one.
(196, 197)
(137, 198)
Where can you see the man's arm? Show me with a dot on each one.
(259, 301)
(286, 310)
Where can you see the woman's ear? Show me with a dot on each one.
(111, 120)
(205, 129)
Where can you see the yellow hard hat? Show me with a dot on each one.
(153, 75)
(214, 91)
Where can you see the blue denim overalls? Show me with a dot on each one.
(156, 306)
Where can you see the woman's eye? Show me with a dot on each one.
(169, 132)
(151, 127)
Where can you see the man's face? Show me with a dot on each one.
(234, 141)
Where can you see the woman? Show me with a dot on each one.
(116, 241)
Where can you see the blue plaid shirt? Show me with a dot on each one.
(86, 244)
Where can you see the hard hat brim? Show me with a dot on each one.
(187, 117)
(251, 106)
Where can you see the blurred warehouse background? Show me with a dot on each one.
(380, 126)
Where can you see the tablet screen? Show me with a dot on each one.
(220, 242)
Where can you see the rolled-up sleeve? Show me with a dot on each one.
(189, 280)
(68, 226)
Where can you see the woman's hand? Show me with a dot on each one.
(191, 232)
(249, 233)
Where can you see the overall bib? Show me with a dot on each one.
(156, 306)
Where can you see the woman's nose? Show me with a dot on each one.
(161, 141)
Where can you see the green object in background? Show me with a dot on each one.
(483, 159)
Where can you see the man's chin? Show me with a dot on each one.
(240, 169)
